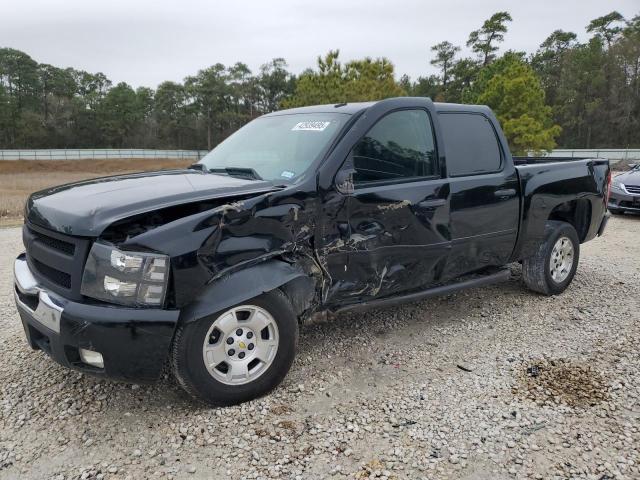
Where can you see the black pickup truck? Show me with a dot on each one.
(325, 208)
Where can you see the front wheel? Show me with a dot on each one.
(238, 354)
(552, 268)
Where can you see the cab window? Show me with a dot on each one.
(400, 146)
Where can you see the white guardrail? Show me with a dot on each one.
(100, 154)
(613, 154)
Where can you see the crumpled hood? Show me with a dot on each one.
(86, 208)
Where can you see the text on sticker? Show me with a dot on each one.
(314, 126)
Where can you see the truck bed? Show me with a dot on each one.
(549, 181)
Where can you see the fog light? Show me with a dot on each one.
(91, 358)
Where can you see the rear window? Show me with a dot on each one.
(471, 145)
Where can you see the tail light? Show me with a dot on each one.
(608, 185)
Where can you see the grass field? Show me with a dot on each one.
(20, 178)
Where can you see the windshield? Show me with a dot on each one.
(279, 147)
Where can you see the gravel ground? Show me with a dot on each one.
(492, 383)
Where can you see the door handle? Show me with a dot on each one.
(506, 193)
(438, 202)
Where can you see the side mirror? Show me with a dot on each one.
(197, 166)
(344, 177)
(344, 180)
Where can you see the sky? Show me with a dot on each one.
(144, 42)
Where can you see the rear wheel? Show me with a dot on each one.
(552, 268)
(616, 211)
(238, 354)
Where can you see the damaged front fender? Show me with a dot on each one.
(265, 238)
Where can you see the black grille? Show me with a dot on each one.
(56, 276)
(60, 245)
(633, 188)
(56, 259)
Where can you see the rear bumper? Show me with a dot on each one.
(624, 202)
(133, 342)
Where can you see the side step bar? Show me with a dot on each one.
(501, 275)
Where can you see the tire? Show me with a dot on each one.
(207, 381)
(537, 271)
(616, 211)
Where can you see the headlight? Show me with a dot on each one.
(126, 278)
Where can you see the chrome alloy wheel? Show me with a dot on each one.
(240, 345)
(561, 260)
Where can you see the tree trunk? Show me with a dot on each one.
(45, 106)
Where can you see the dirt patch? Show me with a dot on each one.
(106, 167)
(281, 409)
(561, 381)
(18, 179)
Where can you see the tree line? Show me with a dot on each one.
(567, 93)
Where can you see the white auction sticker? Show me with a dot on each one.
(313, 126)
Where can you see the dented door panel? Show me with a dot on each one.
(391, 239)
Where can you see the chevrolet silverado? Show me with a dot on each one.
(344, 207)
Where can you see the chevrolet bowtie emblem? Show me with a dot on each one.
(242, 345)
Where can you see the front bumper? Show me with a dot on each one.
(134, 342)
(624, 201)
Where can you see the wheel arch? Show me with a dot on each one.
(576, 213)
(245, 284)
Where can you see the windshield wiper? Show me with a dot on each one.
(240, 172)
